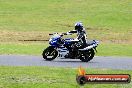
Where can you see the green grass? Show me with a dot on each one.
(25, 49)
(109, 21)
(114, 50)
(37, 49)
(51, 77)
(28, 15)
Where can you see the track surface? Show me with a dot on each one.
(98, 62)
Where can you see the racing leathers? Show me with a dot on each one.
(81, 36)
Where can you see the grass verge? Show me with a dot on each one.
(51, 77)
(37, 49)
(114, 50)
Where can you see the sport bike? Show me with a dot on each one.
(69, 48)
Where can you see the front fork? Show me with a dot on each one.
(95, 49)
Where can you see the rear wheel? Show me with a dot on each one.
(49, 53)
(87, 55)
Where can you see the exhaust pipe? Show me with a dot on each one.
(89, 47)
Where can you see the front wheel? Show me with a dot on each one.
(87, 56)
(49, 53)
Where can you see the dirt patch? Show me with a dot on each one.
(13, 36)
(105, 36)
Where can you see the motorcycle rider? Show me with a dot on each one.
(81, 33)
(81, 36)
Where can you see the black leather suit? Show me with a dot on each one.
(81, 36)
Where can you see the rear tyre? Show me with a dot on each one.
(49, 53)
(87, 56)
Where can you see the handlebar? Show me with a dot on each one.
(53, 33)
(60, 34)
(50, 34)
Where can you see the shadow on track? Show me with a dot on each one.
(70, 61)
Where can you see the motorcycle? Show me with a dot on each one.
(69, 48)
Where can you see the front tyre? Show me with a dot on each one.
(87, 56)
(50, 53)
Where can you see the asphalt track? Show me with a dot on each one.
(124, 63)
